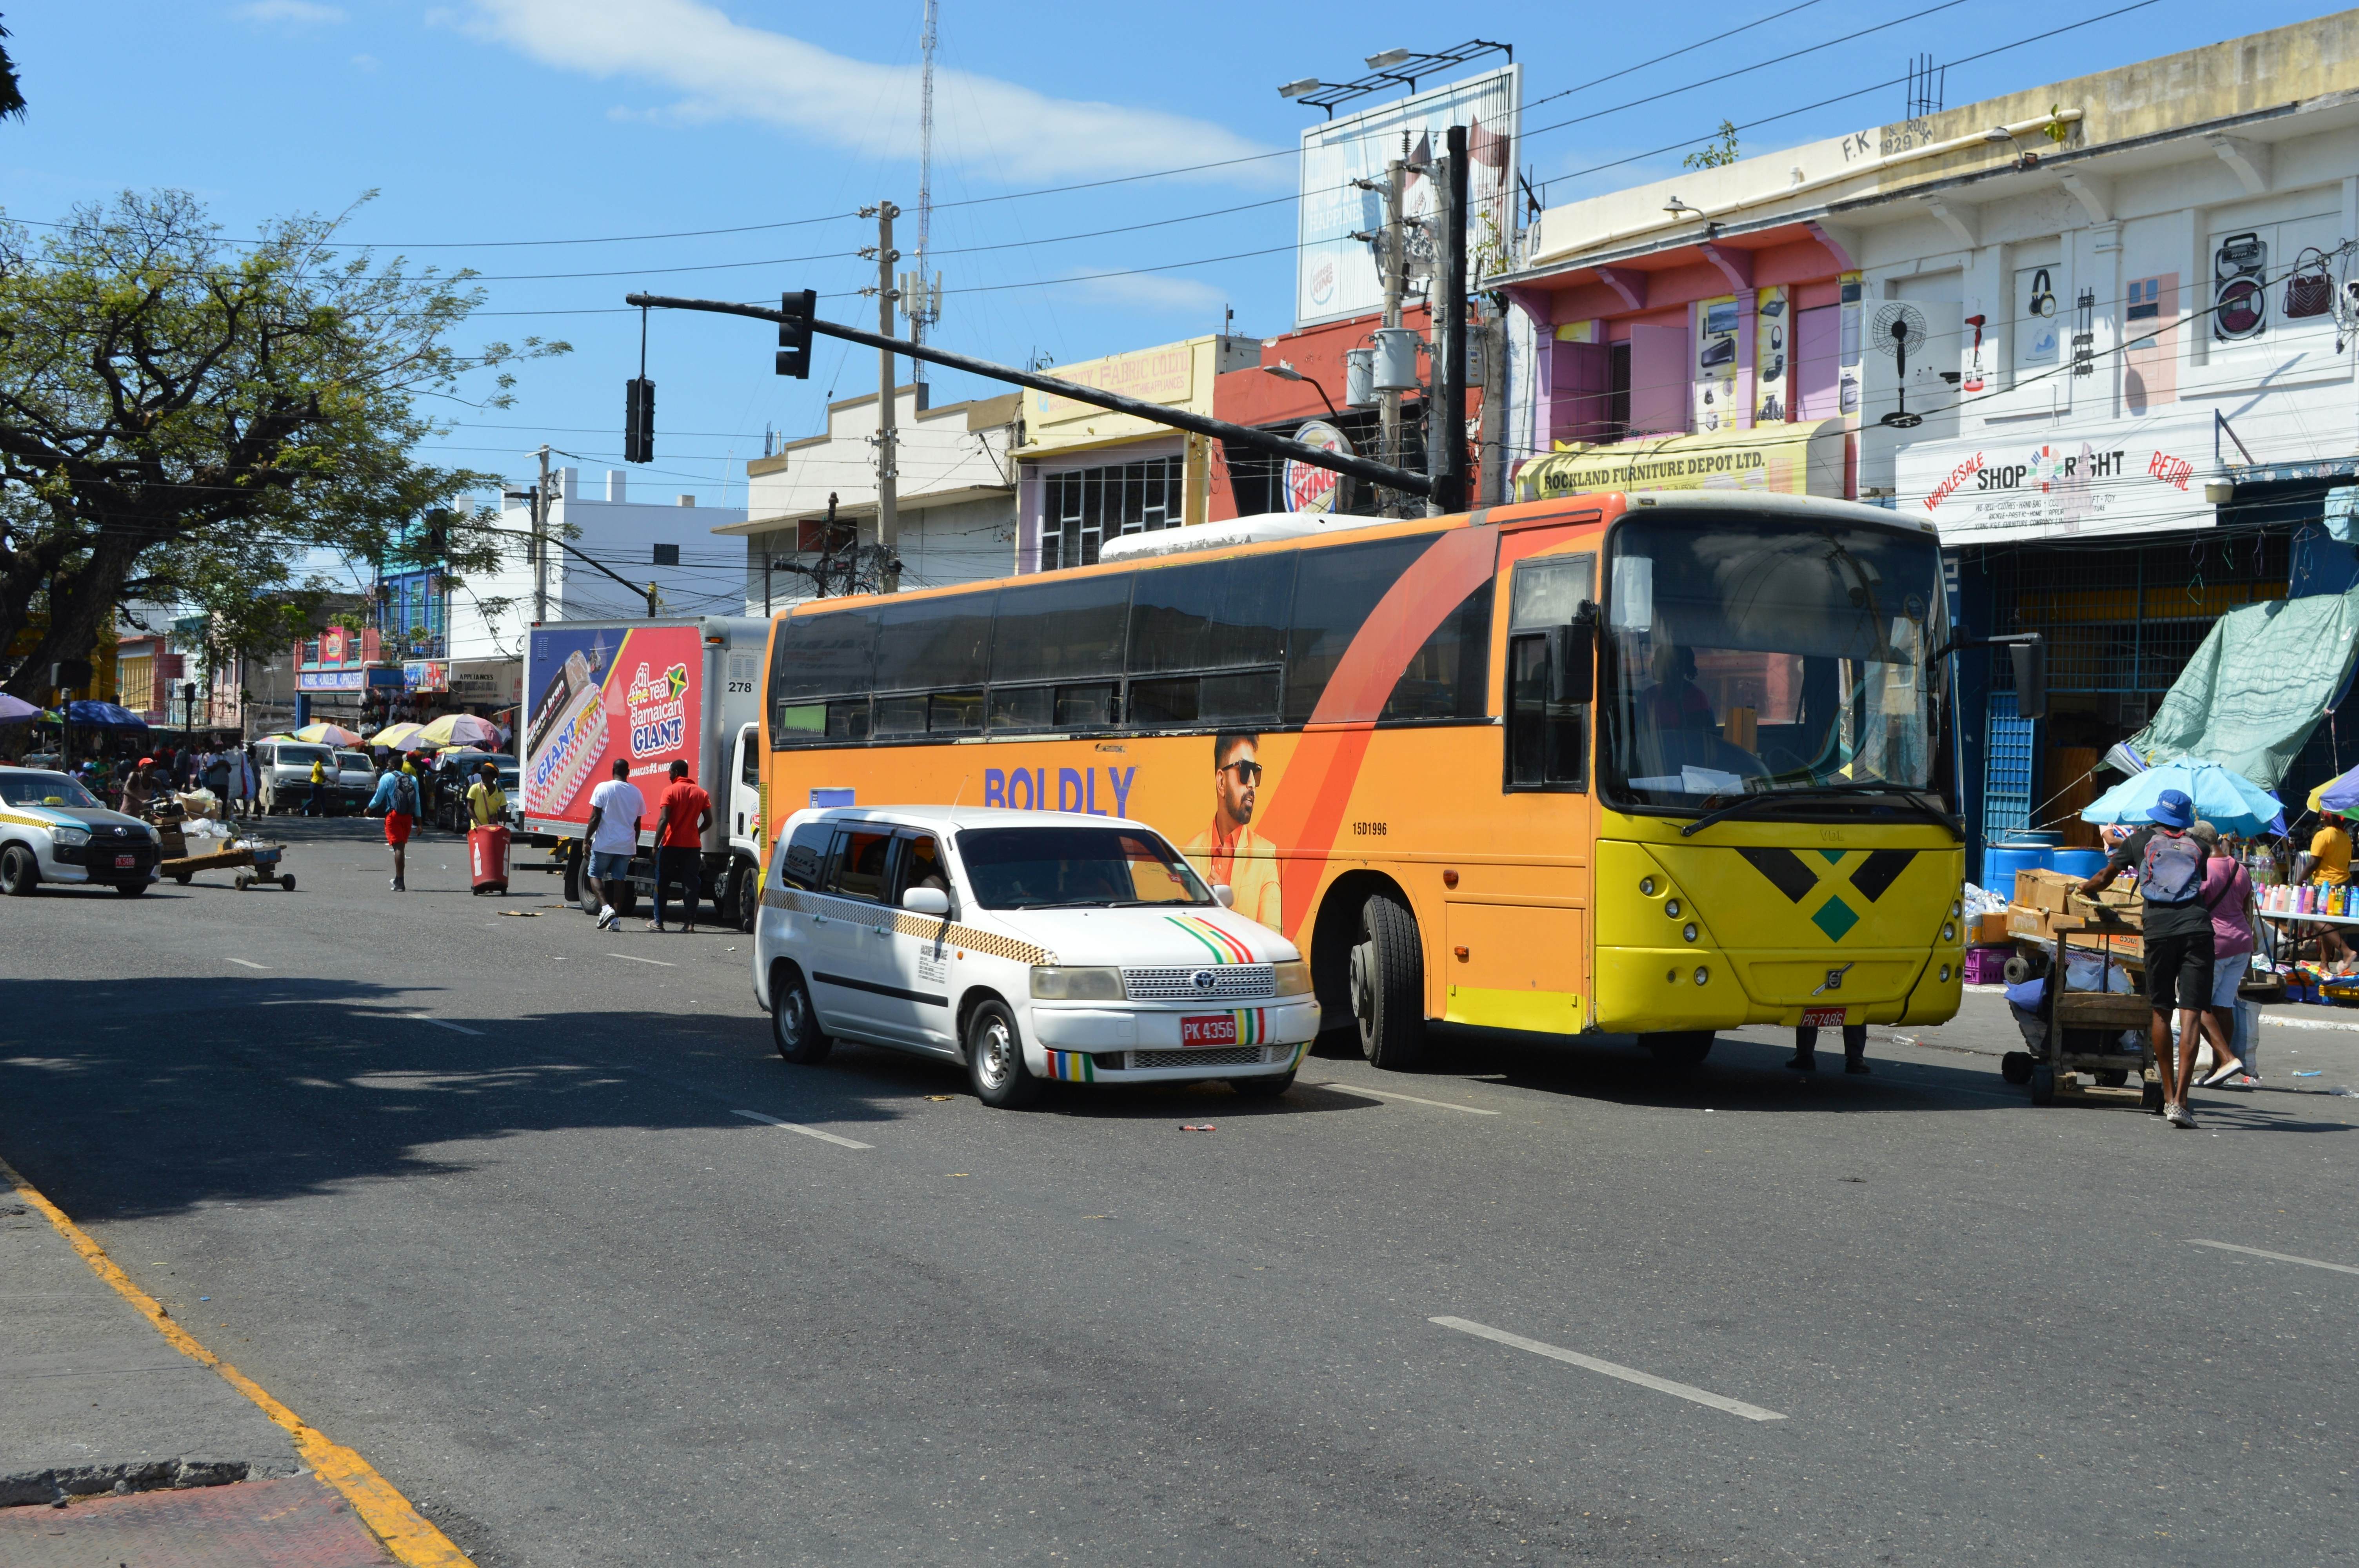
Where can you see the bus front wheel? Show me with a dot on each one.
(1389, 985)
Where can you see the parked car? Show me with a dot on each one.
(54, 830)
(1030, 946)
(356, 781)
(283, 770)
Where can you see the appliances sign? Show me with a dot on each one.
(2129, 475)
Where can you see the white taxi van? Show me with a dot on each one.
(1032, 945)
(54, 830)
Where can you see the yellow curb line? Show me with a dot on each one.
(407, 1534)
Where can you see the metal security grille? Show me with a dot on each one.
(1233, 1057)
(2127, 621)
(1231, 982)
(1082, 509)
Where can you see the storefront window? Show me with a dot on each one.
(1084, 507)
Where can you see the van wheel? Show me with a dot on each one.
(1389, 985)
(794, 1026)
(1262, 1088)
(19, 872)
(995, 1059)
(1682, 1051)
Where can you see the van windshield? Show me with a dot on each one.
(1076, 868)
(304, 756)
(44, 789)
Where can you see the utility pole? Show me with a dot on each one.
(888, 522)
(1446, 420)
(540, 542)
(923, 306)
(1396, 268)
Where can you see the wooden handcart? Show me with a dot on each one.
(2082, 1031)
(256, 863)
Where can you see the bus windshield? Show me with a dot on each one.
(1751, 655)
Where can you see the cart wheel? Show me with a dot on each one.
(2114, 1078)
(286, 881)
(2017, 970)
(2151, 1096)
(244, 882)
(182, 877)
(2015, 1067)
(2043, 1083)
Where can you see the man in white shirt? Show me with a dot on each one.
(616, 808)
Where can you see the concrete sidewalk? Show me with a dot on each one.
(95, 1404)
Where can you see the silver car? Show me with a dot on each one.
(54, 830)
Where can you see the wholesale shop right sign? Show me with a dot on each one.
(2061, 482)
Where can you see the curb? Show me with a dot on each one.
(408, 1535)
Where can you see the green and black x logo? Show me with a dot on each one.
(1795, 877)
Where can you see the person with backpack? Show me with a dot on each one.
(2177, 935)
(396, 800)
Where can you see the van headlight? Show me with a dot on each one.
(72, 836)
(1054, 982)
(1293, 977)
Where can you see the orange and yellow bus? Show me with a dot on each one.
(1646, 764)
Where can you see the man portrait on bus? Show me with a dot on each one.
(1230, 851)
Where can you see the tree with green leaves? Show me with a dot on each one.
(1714, 155)
(187, 420)
(12, 94)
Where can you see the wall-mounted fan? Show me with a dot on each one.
(1898, 333)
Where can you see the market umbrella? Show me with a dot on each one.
(326, 734)
(396, 737)
(2339, 794)
(2225, 798)
(16, 710)
(92, 715)
(458, 730)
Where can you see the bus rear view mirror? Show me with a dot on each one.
(1572, 658)
(2030, 677)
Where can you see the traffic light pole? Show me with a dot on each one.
(1246, 435)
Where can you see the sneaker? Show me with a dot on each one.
(1855, 1065)
(392, 884)
(653, 927)
(1804, 1063)
(2214, 1079)
(605, 915)
(2179, 1116)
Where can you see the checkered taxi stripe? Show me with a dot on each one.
(926, 928)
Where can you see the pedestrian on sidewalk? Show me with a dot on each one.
(1806, 1048)
(616, 808)
(2228, 896)
(395, 799)
(682, 815)
(2175, 932)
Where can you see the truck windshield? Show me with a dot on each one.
(1753, 654)
(1075, 868)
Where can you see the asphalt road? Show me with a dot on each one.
(472, 1192)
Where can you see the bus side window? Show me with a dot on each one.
(1548, 742)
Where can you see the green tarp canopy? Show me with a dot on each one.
(2257, 687)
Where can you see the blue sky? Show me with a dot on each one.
(487, 121)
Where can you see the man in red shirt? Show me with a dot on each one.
(682, 814)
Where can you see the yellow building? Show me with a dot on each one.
(1087, 475)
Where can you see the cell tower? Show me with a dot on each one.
(922, 296)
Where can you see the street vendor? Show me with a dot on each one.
(488, 803)
(139, 788)
(2176, 934)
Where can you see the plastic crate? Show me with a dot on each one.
(1986, 965)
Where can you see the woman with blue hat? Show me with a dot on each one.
(2177, 932)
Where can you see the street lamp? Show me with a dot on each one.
(1390, 57)
(1297, 89)
(1285, 370)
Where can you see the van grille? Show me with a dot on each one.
(1230, 1056)
(1231, 982)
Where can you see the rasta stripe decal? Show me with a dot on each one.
(1072, 1067)
(1224, 948)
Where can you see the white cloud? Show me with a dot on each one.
(294, 13)
(365, 61)
(726, 71)
(1154, 291)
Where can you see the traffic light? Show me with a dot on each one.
(794, 332)
(638, 420)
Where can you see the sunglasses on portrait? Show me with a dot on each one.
(1248, 773)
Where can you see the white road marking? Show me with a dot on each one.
(445, 1023)
(2274, 1257)
(2307, 1022)
(1413, 1099)
(634, 959)
(1628, 1374)
(247, 962)
(806, 1131)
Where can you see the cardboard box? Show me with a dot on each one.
(2111, 913)
(1984, 930)
(2044, 890)
(2032, 923)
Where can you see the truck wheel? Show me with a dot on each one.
(1682, 1051)
(743, 900)
(1389, 985)
(794, 1027)
(573, 888)
(995, 1059)
(19, 872)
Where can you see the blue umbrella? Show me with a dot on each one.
(2225, 798)
(103, 716)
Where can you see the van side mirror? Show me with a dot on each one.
(926, 901)
(2030, 677)
(1224, 895)
(1573, 657)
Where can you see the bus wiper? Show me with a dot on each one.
(1824, 791)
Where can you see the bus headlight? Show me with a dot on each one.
(1703, 976)
(1293, 979)
(1058, 983)
(1945, 974)
(1949, 934)
(1646, 887)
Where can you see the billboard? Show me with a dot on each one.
(605, 693)
(2121, 476)
(1335, 274)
